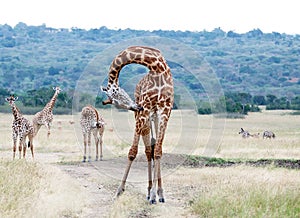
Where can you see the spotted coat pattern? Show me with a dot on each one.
(92, 122)
(45, 117)
(21, 128)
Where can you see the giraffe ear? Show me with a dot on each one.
(103, 89)
(16, 98)
(7, 99)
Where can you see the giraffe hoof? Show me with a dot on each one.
(120, 191)
(152, 201)
(162, 200)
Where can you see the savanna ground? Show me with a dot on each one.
(241, 180)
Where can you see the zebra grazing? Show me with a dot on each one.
(268, 134)
(245, 134)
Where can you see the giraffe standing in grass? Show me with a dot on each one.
(154, 96)
(45, 117)
(21, 128)
(91, 122)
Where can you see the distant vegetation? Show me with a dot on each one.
(253, 68)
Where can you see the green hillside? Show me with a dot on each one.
(33, 57)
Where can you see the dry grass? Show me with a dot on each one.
(30, 189)
(207, 192)
(187, 133)
(238, 191)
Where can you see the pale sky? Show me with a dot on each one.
(237, 15)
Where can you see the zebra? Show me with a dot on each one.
(245, 134)
(268, 134)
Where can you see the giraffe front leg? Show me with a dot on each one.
(101, 143)
(48, 125)
(131, 156)
(159, 184)
(121, 188)
(24, 148)
(15, 144)
(148, 152)
(20, 148)
(96, 139)
(30, 144)
(84, 146)
(89, 145)
(156, 180)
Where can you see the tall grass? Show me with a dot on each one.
(241, 191)
(18, 181)
(30, 189)
(253, 200)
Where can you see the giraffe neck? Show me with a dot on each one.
(16, 113)
(51, 103)
(149, 57)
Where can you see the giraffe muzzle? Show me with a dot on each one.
(137, 108)
(108, 101)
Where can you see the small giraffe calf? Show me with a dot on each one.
(21, 128)
(91, 122)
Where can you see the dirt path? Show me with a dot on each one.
(100, 180)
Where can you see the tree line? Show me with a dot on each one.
(241, 103)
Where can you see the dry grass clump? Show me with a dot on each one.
(18, 182)
(239, 191)
(30, 189)
(130, 204)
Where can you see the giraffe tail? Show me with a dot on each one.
(28, 144)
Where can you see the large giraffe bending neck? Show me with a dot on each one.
(146, 56)
(154, 97)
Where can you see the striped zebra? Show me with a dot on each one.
(245, 134)
(268, 134)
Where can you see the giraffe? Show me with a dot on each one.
(154, 97)
(21, 128)
(91, 122)
(45, 116)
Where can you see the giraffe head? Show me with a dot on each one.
(57, 89)
(11, 100)
(117, 96)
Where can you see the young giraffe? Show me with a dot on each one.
(154, 96)
(45, 116)
(91, 122)
(21, 128)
